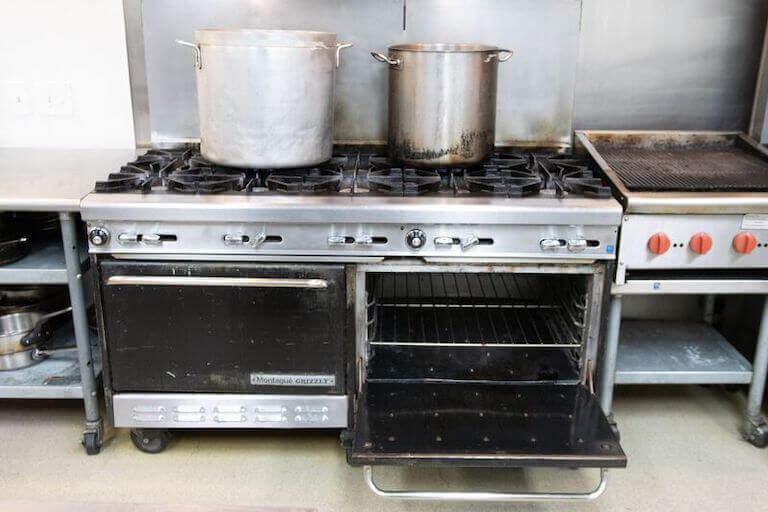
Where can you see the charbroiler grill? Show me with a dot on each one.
(695, 222)
(440, 316)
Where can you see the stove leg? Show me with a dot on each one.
(755, 429)
(92, 437)
(610, 351)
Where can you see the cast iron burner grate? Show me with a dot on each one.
(405, 181)
(326, 177)
(565, 174)
(145, 171)
(206, 180)
(505, 175)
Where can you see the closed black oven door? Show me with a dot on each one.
(224, 327)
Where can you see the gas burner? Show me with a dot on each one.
(505, 175)
(207, 180)
(143, 173)
(573, 176)
(405, 181)
(326, 177)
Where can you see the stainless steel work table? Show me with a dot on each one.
(53, 180)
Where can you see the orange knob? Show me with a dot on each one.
(700, 243)
(659, 243)
(744, 243)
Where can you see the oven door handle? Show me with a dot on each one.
(489, 496)
(239, 282)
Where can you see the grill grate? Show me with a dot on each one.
(691, 169)
(467, 310)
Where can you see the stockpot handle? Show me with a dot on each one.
(502, 54)
(385, 59)
(339, 47)
(198, 53)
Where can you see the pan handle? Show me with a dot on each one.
(198, 53)
(502, 54)
(340, 47)
(385, 59)
(39, 332)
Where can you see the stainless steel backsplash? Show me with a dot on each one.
(621, 63)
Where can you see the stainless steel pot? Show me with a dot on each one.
(442, 102)
(20, 335)
(265, 97)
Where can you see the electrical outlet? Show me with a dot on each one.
(16, 98)
(54, 98)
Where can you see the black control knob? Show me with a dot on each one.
(416, 239)
(98, 236)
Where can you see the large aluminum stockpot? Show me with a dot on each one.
(265, 97)
(442, 102)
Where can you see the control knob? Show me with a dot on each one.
(744, 243)
(700, 243)
(98, 236)
(415, 239)
(659, 243)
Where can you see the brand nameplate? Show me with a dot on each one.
(754, 221)
(292, 379)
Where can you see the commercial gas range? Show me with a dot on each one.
(695, 222)
(442, 316)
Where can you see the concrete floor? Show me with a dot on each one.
(684, 452)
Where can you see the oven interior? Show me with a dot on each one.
(478, 369)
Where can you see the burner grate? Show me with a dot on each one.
(326, 177)
(206, 180)
(144, 172)
(565, 174)
(406, 181)
(505, 175)
(692, 169)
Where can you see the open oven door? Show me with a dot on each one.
(479, 370)
(482, 425)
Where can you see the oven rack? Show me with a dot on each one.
(475, 310)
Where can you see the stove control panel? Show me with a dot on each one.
(678, 242)
(193, 240)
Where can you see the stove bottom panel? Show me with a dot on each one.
(201, 411)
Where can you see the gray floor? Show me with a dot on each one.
(683, 446)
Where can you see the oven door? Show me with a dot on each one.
(224, 327)
(480, 369)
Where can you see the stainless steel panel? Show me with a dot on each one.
(202, 410)
(137, 70)
(536, 87)
(361, 85)
(654, 352)
(636, 230)
(338, 209)
(500, 241)
(672, 286)
(656, 64)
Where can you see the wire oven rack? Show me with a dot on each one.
(469, 310)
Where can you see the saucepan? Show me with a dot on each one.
(22, 335)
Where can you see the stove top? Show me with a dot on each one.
(510, 175)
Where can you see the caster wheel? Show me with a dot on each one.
(91, 443)
(150, 440)
(757, 436)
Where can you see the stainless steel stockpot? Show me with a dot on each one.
(442, 102)
(265, 97)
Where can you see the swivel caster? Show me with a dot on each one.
(756, 435)
(150, 440)
(92, 443)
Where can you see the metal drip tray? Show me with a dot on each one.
(488, 425)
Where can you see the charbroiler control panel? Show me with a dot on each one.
(428, 240)
(692, 241)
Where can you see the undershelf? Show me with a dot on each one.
(666, 352)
